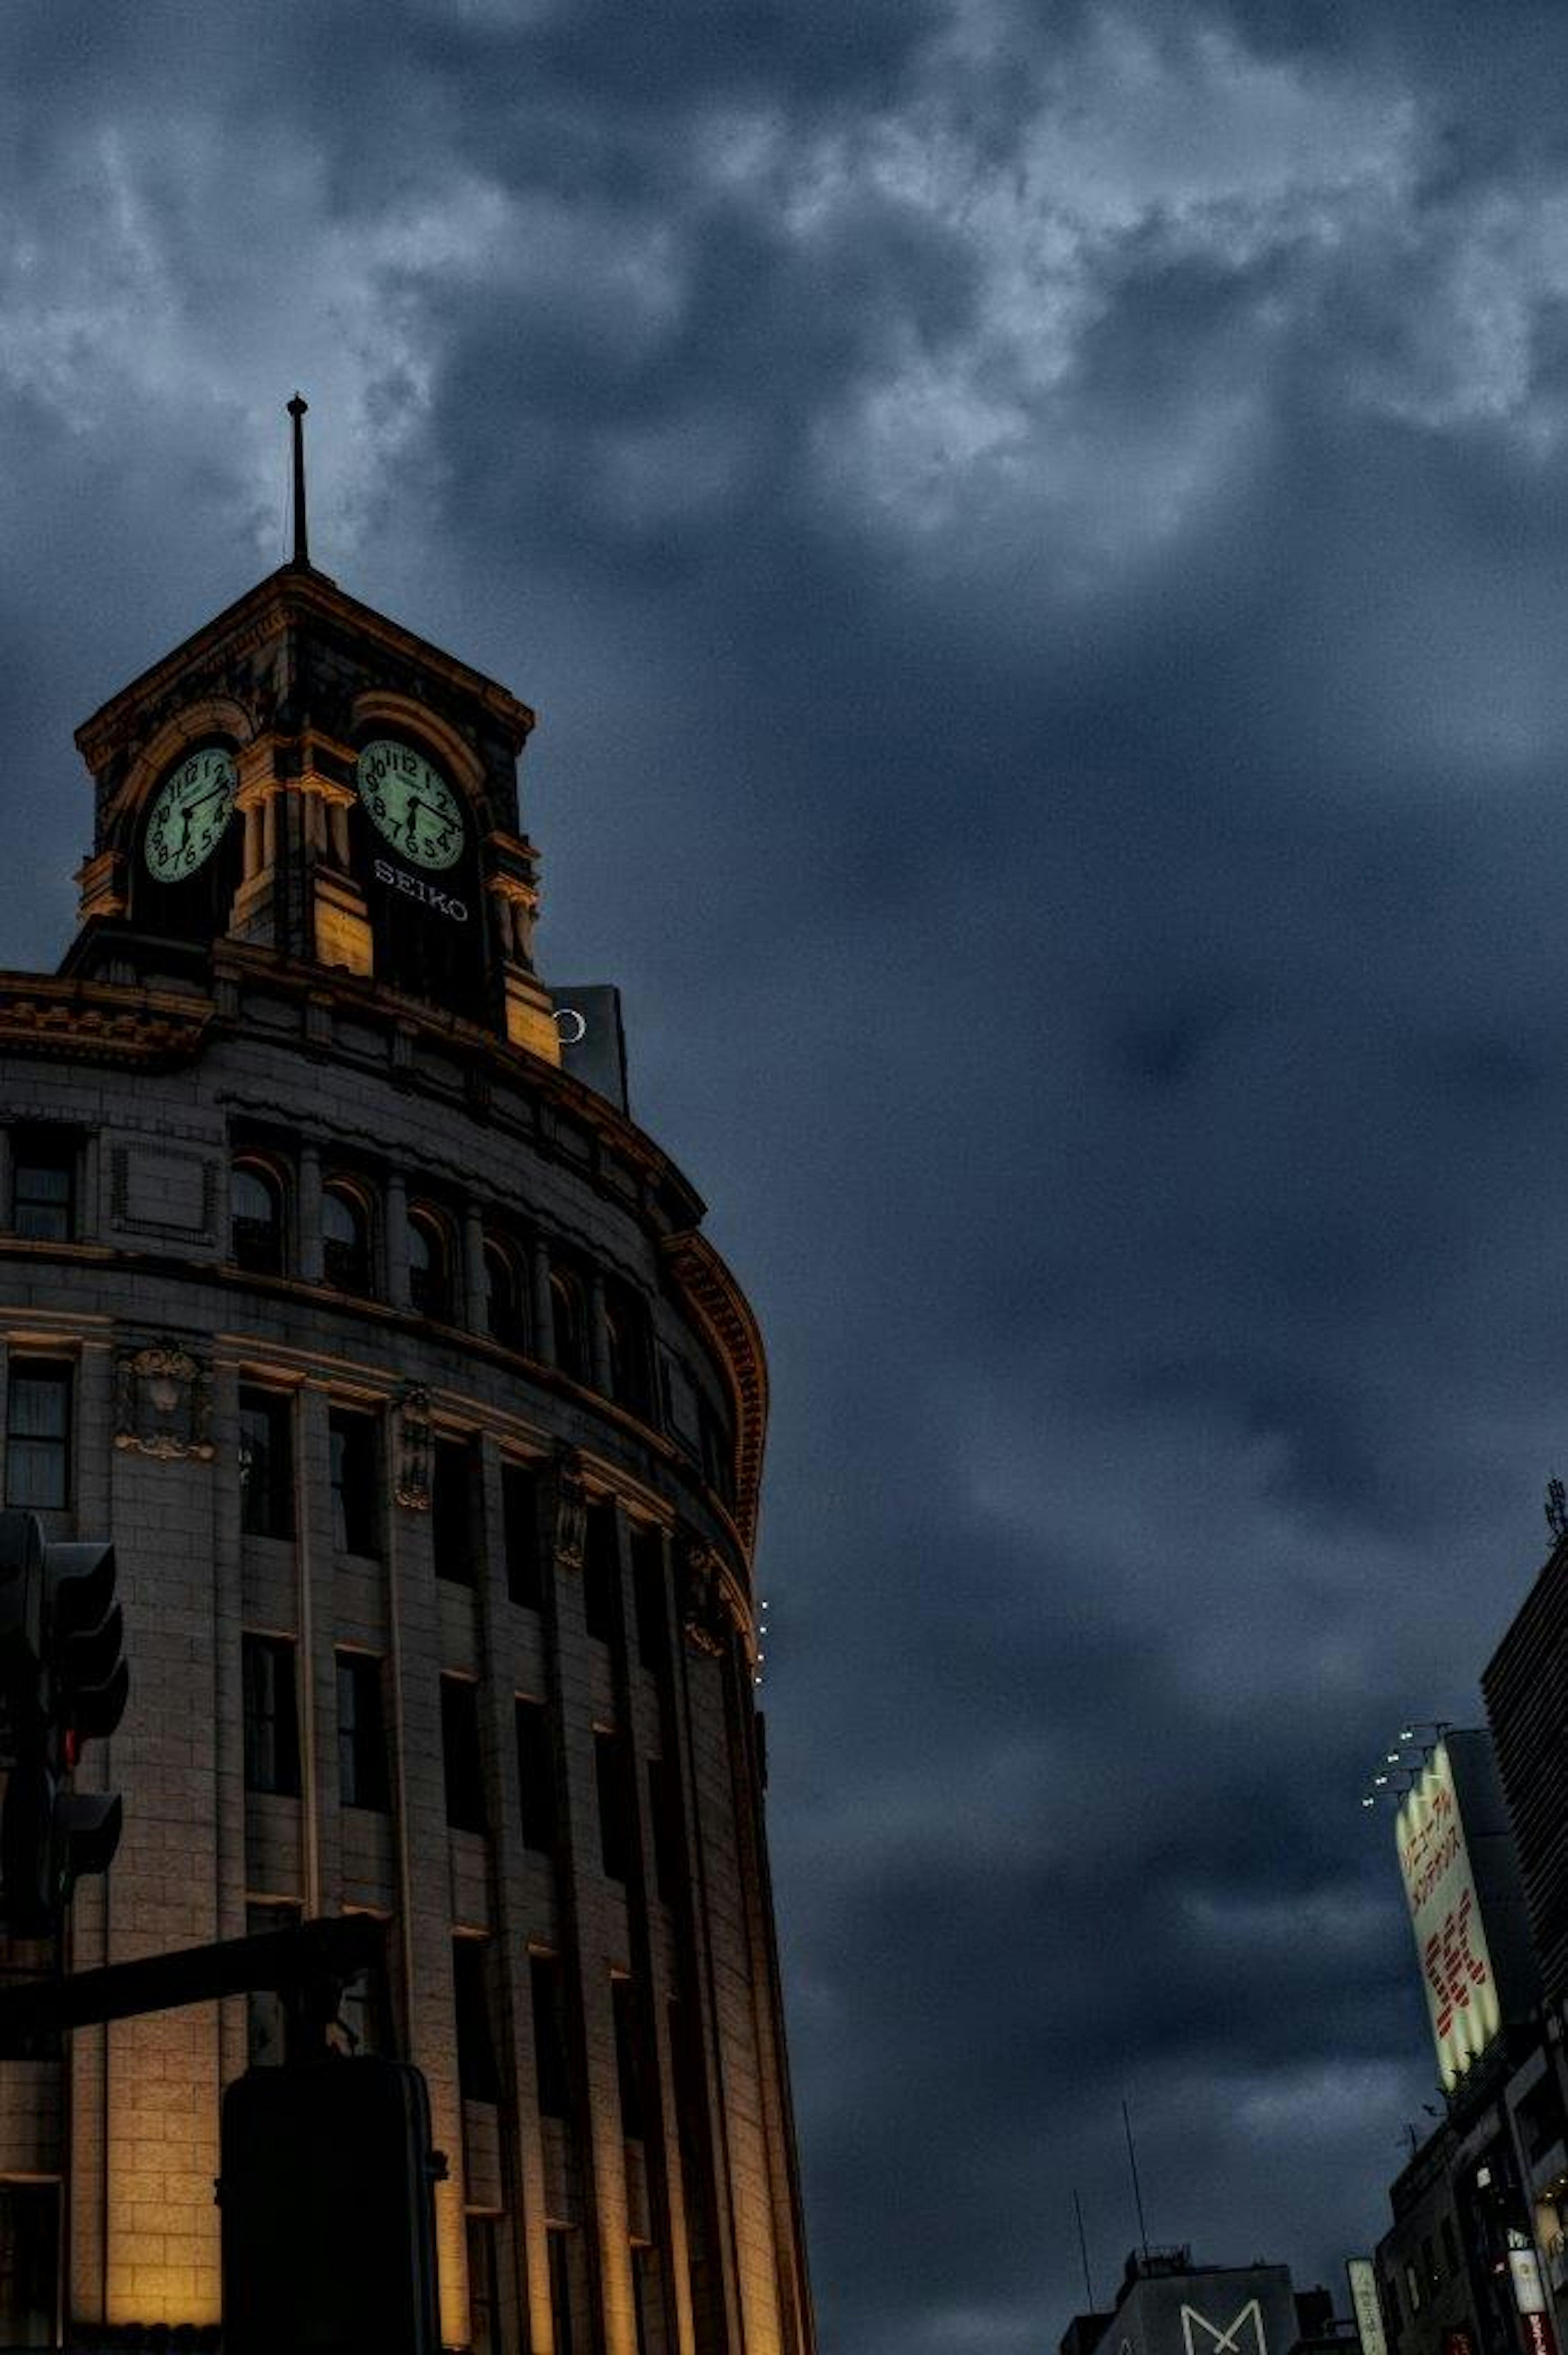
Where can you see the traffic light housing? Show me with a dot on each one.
(63, 1681)
(328, 2217)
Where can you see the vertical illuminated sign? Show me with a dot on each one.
(1445, 1916)
(1365, 2305)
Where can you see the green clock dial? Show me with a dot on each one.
(410, 804)
(189, 813)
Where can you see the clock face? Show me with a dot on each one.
(189, 813)
(410, 804)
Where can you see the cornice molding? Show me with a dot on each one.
(724, 1314)
(90, 1022)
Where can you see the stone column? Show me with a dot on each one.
(310, 1213)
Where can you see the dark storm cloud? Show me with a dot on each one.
(1037, 538)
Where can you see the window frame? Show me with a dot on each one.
(36, 1447)
(263, 1172)
(356, 1278)
(274, 1516)
(269, 1715)
(364, 1781)
(355, 1510)
(43, 1149)
(436, 1281)
(462, 1757)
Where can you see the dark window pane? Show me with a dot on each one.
(272, 1717)
(506, 1320)
(536, 1775)
(520, 1518)
(266, 1465)
(601, 1571)
(460, 1754)
(43, 1187)
(666, 1828)
(484, 2329)
(38, 1435)
(361, 1733)
(647, 1594)
(451, 1511)
(559, 2241)
(256, 1220)
(628, 2059)
(614, 1813)
(29, 2262)
(355, 1516)
(568, 1311)
(346, 1241)
(478, 2077)
(626, 1333)
(266, 2031)
(549, 2036)
(430, 1281)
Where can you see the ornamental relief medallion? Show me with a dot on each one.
(163, 1402)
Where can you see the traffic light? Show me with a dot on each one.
(63, 1681)
(86, 1682)
(328, 2222)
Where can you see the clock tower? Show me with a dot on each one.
(306, 777)
(338, 1286)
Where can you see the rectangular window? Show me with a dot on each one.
(451, 1511)
(479, 2080)
(266, 1465)
(601, 1571)
(628, 2063)
(361, 1733)
(43, 1186)
(364, 2008)
(460, 1754)
(484, 2287)
(271, 1717)
(266, 2031)
(38, 1435)
(563, 2304)
(520, 1520)
(648, 1593)
(355, 1517)
(536, 1775)
(549, 2036)
(29, 2263)
(614, 1816)
(666, 1827)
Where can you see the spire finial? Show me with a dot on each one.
(297, 409)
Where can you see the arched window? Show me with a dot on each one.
(626, 1335)
(430, 1264)
(256, 1218)
(346, 1237)
(505, 1318)
(569, 1315)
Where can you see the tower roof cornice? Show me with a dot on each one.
(284, 600)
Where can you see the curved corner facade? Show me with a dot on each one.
(428, 1427)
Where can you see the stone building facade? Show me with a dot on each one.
(428, 1427)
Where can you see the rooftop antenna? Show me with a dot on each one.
(1084, 2251)
(297, 409)
(1136, 2194)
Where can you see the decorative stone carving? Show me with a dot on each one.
(163, 1403)
(704, 1620)
(412, 1484)
(571, 1511)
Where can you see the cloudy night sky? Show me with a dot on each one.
(1038, 536)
